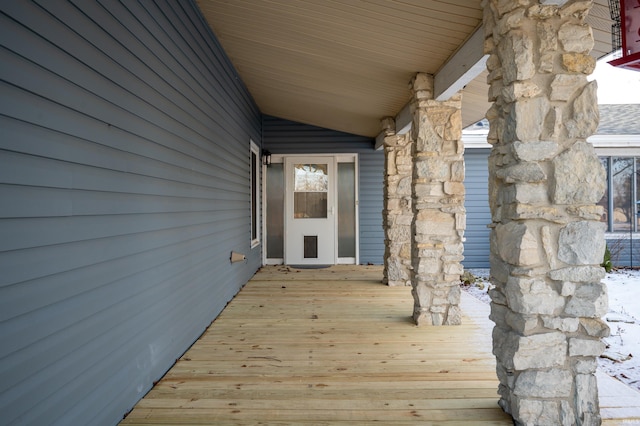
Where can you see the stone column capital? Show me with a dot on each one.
(388, 125)
(422, 85)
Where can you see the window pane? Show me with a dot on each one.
(311, 178)
(623, 210)
(275, 211)
(254, 196)
(604, 202)
(311, 185)
(346, 210)
(310, 205)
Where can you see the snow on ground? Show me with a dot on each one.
(622, 356)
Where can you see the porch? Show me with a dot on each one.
(332, 346)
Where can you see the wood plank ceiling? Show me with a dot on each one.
(345, 64)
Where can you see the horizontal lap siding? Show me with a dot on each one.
(476, 246)
(625, 252)
(124, 186)
(288, 137)
(371, 201)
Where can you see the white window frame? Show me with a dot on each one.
(254, 179)
(351, 158)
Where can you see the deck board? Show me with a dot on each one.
(333, 346)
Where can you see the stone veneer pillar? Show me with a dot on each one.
(397, 213)
(546, 239)
(438, 205)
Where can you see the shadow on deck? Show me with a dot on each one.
(332, 346)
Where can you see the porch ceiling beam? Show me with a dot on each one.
(404, 120)
(403, 124)
(465, 65)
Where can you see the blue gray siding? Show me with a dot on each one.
(476, 246)
(288, 137)
(371, 201)
(625, 252)
(124, 186)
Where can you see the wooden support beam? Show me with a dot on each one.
(465, 65)
(380, 140)
(403, 120)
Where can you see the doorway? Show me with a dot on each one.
(311, 209)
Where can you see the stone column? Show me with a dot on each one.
(397, 213)
(544, 183)
(438, 205)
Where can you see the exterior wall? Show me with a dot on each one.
(476, 246)
(288, 137)
(625, 252)
(124, 186)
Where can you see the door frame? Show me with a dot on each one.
(339, 158)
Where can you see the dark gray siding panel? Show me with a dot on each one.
(124, 186)
(476, 246)
(288, 137)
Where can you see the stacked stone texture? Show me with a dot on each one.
(397, 213)
(547, 241)
(438, 205)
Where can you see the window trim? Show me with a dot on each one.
(254, 188)
(634, 196)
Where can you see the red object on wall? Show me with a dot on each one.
(630, 28)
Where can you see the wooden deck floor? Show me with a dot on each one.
(333, 346)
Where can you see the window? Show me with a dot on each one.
(255, 194)
(620, 201)
(347, 210)
(622, 193)
(311, 186)
(604, 202)
(275, 211)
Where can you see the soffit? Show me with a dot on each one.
(344, 65)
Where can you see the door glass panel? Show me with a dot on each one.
(311, 186)
(346, 210)
(275, 211)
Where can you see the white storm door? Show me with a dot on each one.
(310, 213)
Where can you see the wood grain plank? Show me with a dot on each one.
(327, 345)
(334, 346)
